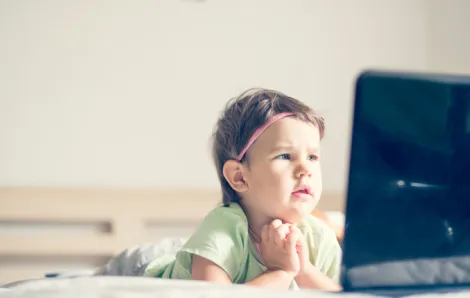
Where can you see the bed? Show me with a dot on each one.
(56, 229)
(73, 231)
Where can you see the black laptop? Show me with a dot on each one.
(408, 199)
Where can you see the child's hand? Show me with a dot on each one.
(277, 251)
(302, 251)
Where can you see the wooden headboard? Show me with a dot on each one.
(50, 229)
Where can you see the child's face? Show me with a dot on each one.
(283, 159)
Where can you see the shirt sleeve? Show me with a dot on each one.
(221, 238)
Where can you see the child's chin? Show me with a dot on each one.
(304, 207)
(296, 215)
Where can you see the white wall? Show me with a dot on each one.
(105, 93)
(449, 36)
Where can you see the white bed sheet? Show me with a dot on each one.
(125, 287)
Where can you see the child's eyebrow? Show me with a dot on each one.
(282, 148)
(290, 147)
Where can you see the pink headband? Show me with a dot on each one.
(259, 131)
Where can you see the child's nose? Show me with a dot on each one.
(304, 171)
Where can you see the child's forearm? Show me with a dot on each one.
(274, 279)
(314, 279)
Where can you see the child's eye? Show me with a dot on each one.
(283, 156)
(313, 157)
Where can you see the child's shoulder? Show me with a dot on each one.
(231, 217)
(231, 212)
(232, 208)
(223, 226)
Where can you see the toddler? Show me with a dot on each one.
(266, 149)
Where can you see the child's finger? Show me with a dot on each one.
(273, 229)
(280, 237)
(300, 243)
(276, 223)
(284, 230)
(300, 236)
(271, 233)
(291, 242)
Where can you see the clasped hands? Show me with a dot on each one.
(283, 247)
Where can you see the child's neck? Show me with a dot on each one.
(255, 224)
(255, 228)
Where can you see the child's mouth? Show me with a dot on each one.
(302, 194)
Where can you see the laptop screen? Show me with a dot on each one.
(408, 204)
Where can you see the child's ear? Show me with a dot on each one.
(233, 173)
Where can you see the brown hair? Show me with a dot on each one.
(242, 116)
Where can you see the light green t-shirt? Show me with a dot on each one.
(223, 238)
